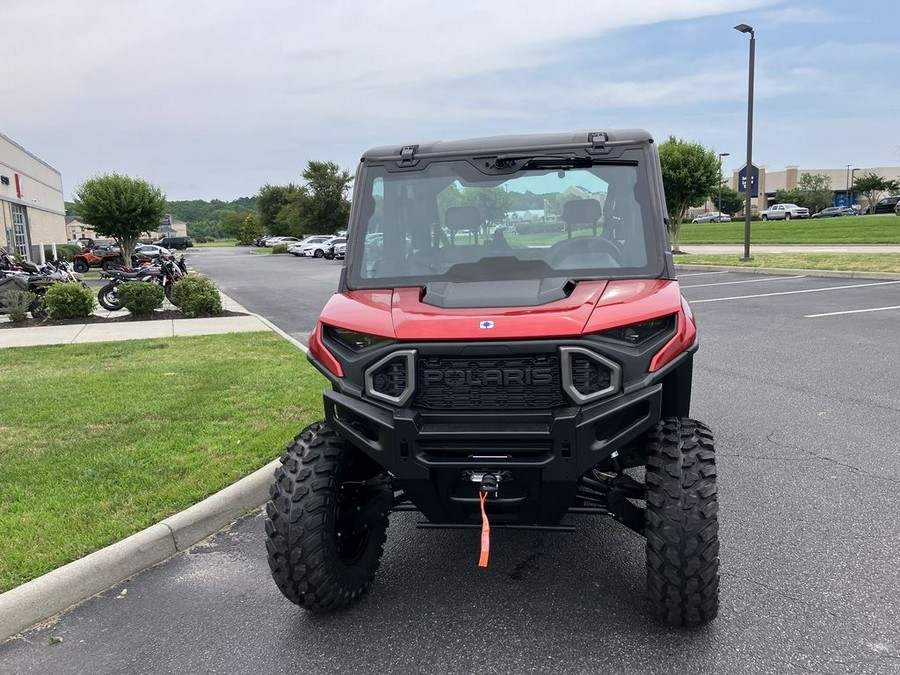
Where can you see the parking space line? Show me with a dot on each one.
(808, 290)
(745, 281)
(852, 311)
(701, 274)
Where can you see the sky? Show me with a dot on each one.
(215, 98)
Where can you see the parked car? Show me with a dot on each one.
(339, 251)
(331, 244)
(313, 247)
(834, 212)
(784, 212)
(175, 242)
(274, 241)
(152, 251)
(897, 209)
(261, 241)
(885, 205)
(712, 217)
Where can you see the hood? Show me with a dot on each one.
(593, 305)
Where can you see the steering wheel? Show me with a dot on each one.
(563, 249)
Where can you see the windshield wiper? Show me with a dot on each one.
(541, 162)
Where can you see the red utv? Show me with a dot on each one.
(103, 258)
(509, 348)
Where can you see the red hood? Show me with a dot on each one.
(592, 306)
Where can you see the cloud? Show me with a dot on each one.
(218, 96)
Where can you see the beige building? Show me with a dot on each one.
(168, 227)
(32, 210)
(772, 181)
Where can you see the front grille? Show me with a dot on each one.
(588, 375)
(509, 383)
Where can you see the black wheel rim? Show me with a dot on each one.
(351, 533)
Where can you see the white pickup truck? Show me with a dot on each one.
(784, 212)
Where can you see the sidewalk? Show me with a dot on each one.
(135, 330)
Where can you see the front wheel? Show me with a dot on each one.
(319, 253)
(327, 520)
(81, 266)
(108, 297)
(681, 525)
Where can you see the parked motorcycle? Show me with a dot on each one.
(18, 274)
(166, 273)
(18, 282)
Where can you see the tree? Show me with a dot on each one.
(690, 172)
(815, 191)
(270, 201)
(872, 186)
(788, 196)
(249, 230)
(732, 200)
(325, 208)
(120, 207)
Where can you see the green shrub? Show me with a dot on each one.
(18, 303)
(69, 301)
(197, 296)
(65, 252)
(280, 248)
(140, 297)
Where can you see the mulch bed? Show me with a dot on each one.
(159, 315)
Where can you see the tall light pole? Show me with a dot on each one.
(850, 194)
(744, 28)
(848, 183)
(721, 155)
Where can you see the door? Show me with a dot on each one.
(20, 230)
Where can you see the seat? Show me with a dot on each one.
(582, 213)
(464, 218)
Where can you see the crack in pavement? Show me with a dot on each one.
(825, 458)
(798, 390)
(781, 593)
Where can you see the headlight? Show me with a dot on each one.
(638, 333)
(353, 340)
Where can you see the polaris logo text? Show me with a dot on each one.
(489, 377)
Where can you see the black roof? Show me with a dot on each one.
(573, 140)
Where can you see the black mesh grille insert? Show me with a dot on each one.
(390, 378)
(589, 376)
(510, 383)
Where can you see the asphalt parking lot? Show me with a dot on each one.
(798, 378)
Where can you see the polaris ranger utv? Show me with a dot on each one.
(509, 348)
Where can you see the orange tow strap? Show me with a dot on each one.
(485, 535)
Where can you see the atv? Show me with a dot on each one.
(509, 348)
(103, 258)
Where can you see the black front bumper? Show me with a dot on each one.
(541, 454)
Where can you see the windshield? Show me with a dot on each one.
(449, 221)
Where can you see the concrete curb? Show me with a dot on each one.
(840, 274)
(56, 591)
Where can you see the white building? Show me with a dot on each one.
(32, 210)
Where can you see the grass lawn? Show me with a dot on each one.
(880, 229)
(858, 262)
(103, 440)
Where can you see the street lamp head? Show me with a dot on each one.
(744, 28)
(724, 154)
